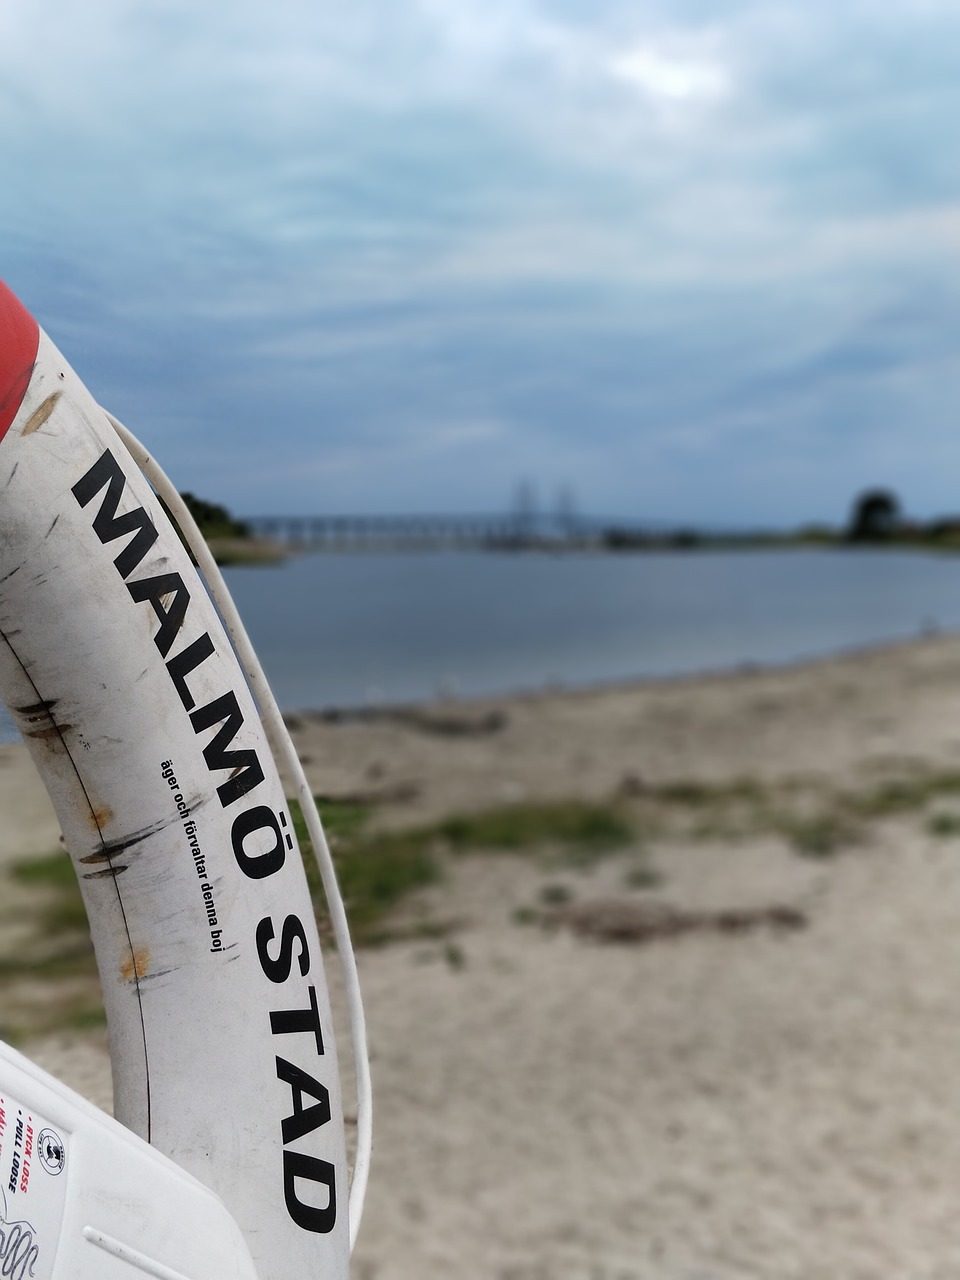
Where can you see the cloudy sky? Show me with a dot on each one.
(687, 260)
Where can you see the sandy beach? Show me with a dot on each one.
(727, 1046)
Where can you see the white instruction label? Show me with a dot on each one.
(33, 1188)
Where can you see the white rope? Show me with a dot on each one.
(283, 748)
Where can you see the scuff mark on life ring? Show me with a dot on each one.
(40, 416)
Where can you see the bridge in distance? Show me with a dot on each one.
(483, 532)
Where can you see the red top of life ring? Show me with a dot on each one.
(19, 339)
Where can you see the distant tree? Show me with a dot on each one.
(875, 516)
(614, 538)
(214, 520)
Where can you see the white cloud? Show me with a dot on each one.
(673, 78)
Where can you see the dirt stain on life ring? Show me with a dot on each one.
(100, 817)
(136, 964)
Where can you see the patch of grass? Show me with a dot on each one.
(57, 953)
(814, 819)
(696, 794)
(944, 824)
(342, 819)
(556, 895)
(375, 873)
(525, 915)
(63, 945)
(574, 824)
(725, 826)
(723, 811)
(642, 876)
(378, 870)
(71, 955)
(904, 795)
(83, 1017)
(65, 1006)
(818, 835)
(425, 931)
(54, 869)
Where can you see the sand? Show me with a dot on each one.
(713, 1103)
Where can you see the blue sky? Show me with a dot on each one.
(691, 261)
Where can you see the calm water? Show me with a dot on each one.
(346, 630)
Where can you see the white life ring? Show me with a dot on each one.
(125, 686)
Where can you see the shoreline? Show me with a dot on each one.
(866, 705)
(747, 667)
(389, 709)
(846, 714)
